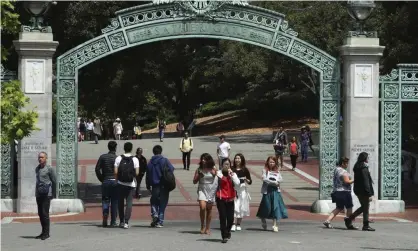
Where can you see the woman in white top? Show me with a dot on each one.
(242, 200)
(271, 205)
(205, 175)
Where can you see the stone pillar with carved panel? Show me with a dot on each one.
(36, 48)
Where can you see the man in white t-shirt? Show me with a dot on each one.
(89, 127)
(126, 169)
(223, 150)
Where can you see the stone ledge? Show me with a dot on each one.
(57, 206)
(376, 206)
(67, 205)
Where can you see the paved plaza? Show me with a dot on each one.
(256, 149)
(178, 235)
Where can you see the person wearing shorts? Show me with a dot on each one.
(341, 194)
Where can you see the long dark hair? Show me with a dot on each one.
(242, 166)
(362, 157)
(209, 161)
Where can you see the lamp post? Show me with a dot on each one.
(360, 10)
(37, 9)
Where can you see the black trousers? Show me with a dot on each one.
(293, 159)
(226, 216)
(44, 203)
(125, 193)
(364, 208)
(186, 160)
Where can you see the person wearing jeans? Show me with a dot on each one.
(126, 189)
(154, 178)
(186, 148)
(363, 189)
(225, 198)
(105, 174)
(45, 181)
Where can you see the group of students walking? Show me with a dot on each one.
(227, 188)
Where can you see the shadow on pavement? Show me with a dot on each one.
(27, 237)
(399, 249)
(189, 232)
(306, 208)
(210, 240)
(307, 188)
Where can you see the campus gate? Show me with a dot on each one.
(401, 85)
(230, 20)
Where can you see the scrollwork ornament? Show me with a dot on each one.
(391, 149)
(391, 91)
(392, 76)
(114, 25)
(117, 40)
(284, 27)
(409, 91)
(282, 43)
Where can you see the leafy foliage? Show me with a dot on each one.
(171, 79)
(9, 23)
(16, 123)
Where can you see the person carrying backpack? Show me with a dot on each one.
(160, 181)
(161, 129)
(126, 169)
(186, 148)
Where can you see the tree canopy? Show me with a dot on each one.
(172, 78)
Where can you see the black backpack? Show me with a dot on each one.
(168, 179)
(126, 169)
(161, 124)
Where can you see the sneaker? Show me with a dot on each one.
(238, 228)
(125, 226)
(44, 237)
(275, 229)
(154, 221)
(113, 224)
(224, 240)
(368, 228)
(264, 225)
(233, 228)
(121, 225)
(104, 222)
(327, 224)
(39, 236)
(158, 225)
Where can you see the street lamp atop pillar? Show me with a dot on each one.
(37, 9)
(360, 10)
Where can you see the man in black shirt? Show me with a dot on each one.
(142, 171)
(105, 173)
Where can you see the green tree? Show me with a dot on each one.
(16, 123)
(9, 23)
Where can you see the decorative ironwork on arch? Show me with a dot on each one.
(396, 87)
(167, 19)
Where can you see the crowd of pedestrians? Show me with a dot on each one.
(224, 185)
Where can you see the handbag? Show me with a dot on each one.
(43, 189)
(333, 197)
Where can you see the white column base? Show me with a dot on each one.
(30, 206)
(7, 205)
(67, 205)
(376, 206)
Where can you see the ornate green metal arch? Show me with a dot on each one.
(191, 19)
(398, 86)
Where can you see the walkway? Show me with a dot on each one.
(184, 235)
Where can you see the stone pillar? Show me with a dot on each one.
(35, 50)
(361, 57)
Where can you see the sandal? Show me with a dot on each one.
(202, 230)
